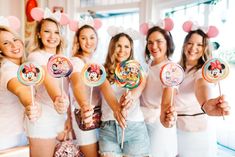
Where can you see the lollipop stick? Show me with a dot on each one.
(62, 86)
(220, 93)
(32, 94)
(123, 130)
(91, 96)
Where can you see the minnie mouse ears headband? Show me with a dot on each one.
(74, 25)
(38, 14)
(211, 31)
(10, 21)
(113, 30)
(166, 24)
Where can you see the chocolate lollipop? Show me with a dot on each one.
(171, 75)
(128, 74)
(30, 74)
(59, 66)
(215, 70)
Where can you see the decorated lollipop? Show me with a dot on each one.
(171, 75)
(129, 75)
(93, 75)
(215, 70)
(30, 74)
(59, 66)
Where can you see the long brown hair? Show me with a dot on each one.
(206, 50)
(110, 62)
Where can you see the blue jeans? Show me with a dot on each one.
(136, 139)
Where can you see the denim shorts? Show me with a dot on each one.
(136, 139)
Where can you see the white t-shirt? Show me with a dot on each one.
(11, 110)
(78, 65)
(41, 58)
(134, 113)
(152, 94)
(187, 103)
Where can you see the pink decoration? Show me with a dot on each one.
(211, 31)
(38, 14)
(144, 28)
(166, 24)
(14, 22)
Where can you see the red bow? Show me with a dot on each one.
(95, 68)
(216, 65)
(30, 68)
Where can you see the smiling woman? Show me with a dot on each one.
(11, 110)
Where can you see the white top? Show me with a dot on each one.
(11, 110)
(187, 103)
(134, 113)
(78, 65)
(185, 100)
(152, 94)
(41, 58)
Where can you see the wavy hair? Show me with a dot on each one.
(110, 62)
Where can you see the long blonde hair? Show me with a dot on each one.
(36, 42)
(6, 29)
(110, 62)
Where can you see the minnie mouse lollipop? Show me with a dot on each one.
(59, 66)
(93, 75)
(129, 75)
(30, 74)
(171, 75)
(215, 70)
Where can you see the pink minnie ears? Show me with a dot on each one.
(211, 31)
(75, 25)
(166, 24)
(38, 14)
(10, 21)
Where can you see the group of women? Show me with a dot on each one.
(151, 124)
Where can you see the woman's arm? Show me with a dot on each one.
(168, 114)
(213, 107)
(127, 98)
(112, 101)
(25, 96)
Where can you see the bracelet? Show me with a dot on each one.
(203, 108)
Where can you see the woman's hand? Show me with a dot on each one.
(87, 112)
(216, 107)
(126, 100)
(168, 117)
(33, 112)
(61, 104)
